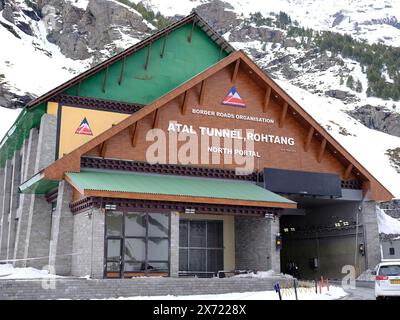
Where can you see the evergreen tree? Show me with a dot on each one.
(359, 86)
(350, 82)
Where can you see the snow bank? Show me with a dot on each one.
(7, 271)
(387, 224)
(333, 294)
(262, 274)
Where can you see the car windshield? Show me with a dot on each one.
(393, 270)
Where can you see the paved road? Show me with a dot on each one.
(359, 293)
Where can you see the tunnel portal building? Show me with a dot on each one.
(180, 157)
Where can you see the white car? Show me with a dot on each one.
(387, 279)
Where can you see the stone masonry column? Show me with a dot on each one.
(88, 243)
(5, 209)
(255, 244)
(25, 200)
(60, 257)
(371, 234)
(174, 244)
(37, 243)
(97, 243)
(14, 203)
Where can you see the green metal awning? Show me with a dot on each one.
(38, 185)
(90, 182)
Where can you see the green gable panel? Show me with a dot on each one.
(15, 137)
(182, 60)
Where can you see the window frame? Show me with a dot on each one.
(207, 249)
(145, 238)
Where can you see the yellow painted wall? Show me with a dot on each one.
(71, 118)
(229, 235)
(52, 108)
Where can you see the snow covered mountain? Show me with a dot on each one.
(46, 42)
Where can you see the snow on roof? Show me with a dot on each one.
(387, 224)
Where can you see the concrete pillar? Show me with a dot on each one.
(174, 245)
(255, 244)
(5, 210)
(14, 203)
(60, 257)
(39, 220)
(371, 234)
(88, 244)
(25, 200)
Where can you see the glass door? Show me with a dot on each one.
(113, 258)
(136, 244)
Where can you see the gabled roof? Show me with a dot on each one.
(33, 111)
(71, 161)
(192, 18)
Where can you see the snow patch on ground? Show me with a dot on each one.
(387, 224)
(7, 271)
(333, 294)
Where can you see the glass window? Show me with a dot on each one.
(113, 249)
(158, 225)
(201, 247)
(133, 266)
(214, 234)
(183, 233)
(113, 266)
(197, 259)
(393, 270)
(135, 249)
(157, 267)
(183, 259)
(215, 260)
(391, 251)
(114, 223)
(197, 234)
(135, 225)
(158, 249)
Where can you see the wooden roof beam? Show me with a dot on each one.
(267, 98)
(202, 92)
(156, 118)
(184, 103)
(310, 134)
(122, 71)
(189, 38)
(103, 149)
(148, 56)
(164, 45)
(134, 130)
(348, 170)
(321, 150)
(105, 80)
(235, 71)
(283, 114)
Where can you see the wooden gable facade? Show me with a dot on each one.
(313, 149)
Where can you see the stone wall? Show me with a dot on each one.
(88, 244)
(255, 247)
